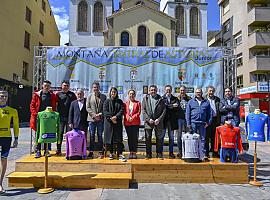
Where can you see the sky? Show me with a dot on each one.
(60, 9)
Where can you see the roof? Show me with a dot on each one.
(120, 12)
(153, 1)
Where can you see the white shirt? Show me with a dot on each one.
(168, 98)
(213, 106)
(131, 107)
(199, 101)
(80, 104)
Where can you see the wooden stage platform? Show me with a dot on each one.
(105, 173)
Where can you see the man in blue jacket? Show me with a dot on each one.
(198, 117)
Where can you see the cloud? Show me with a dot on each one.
(62, 21)
(64, 37)
(57, 10)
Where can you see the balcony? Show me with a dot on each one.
(259, 63)
(259, 40)
(259, 16)
(257, 1)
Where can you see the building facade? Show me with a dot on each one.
(87, 21)
(138, 23)
(191, 16)
(246, 28)
(24, 24)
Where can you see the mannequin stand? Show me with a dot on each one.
(45, 190)
(255, 182)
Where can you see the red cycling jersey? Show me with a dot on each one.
(230, 136)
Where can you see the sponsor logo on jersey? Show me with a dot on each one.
(5, 112)
(48, 136)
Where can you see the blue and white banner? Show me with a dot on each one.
(136, 67)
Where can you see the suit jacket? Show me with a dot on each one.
(229, 112)
(171, 117)
(78, 117)
(217, 103)
(135, 113)
(159, 112)
(94, 107)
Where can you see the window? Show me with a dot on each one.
(124, 38)
(16, 78)
(227, 43)
(27, 40)
(28, 15)
(25, 71)
(239, 59)
(43, 5)
(180, 17)
(226, 26)
(258, 77)
(82, 16)
(260, 52)
(239, 81)
(41, 28)
(225, 7)
(159, 39)
(142, 36)
(98, 17)
(194, 21)
(238, 38)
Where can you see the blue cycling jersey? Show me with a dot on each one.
(255, 127)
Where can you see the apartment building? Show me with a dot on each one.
(24, 24)
(245, 26)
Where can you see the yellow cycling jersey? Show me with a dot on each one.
(8, 114)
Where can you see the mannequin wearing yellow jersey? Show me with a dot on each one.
(7, 114)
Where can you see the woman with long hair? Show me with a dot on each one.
(113, 111)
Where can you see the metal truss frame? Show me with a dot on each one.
(40, 62)
(229, 69)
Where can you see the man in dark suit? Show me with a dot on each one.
(77, 113)
(229, 108)
(171, 118)
(154, 111)
(211, 129)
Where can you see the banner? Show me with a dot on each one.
(136, 67)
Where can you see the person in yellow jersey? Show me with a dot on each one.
(7, 115)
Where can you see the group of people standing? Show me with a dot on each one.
(104, 116)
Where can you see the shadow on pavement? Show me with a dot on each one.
(16, 192)
(247, 158)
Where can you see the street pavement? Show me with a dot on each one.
(152, 191)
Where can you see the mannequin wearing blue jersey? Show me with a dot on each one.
(255, 126)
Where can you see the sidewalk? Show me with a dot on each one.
(152, 191)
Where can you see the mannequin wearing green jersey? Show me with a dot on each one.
(48, 127)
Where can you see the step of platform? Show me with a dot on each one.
(29, 172)
(82, 180)
(60, 164)
(175, 171)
